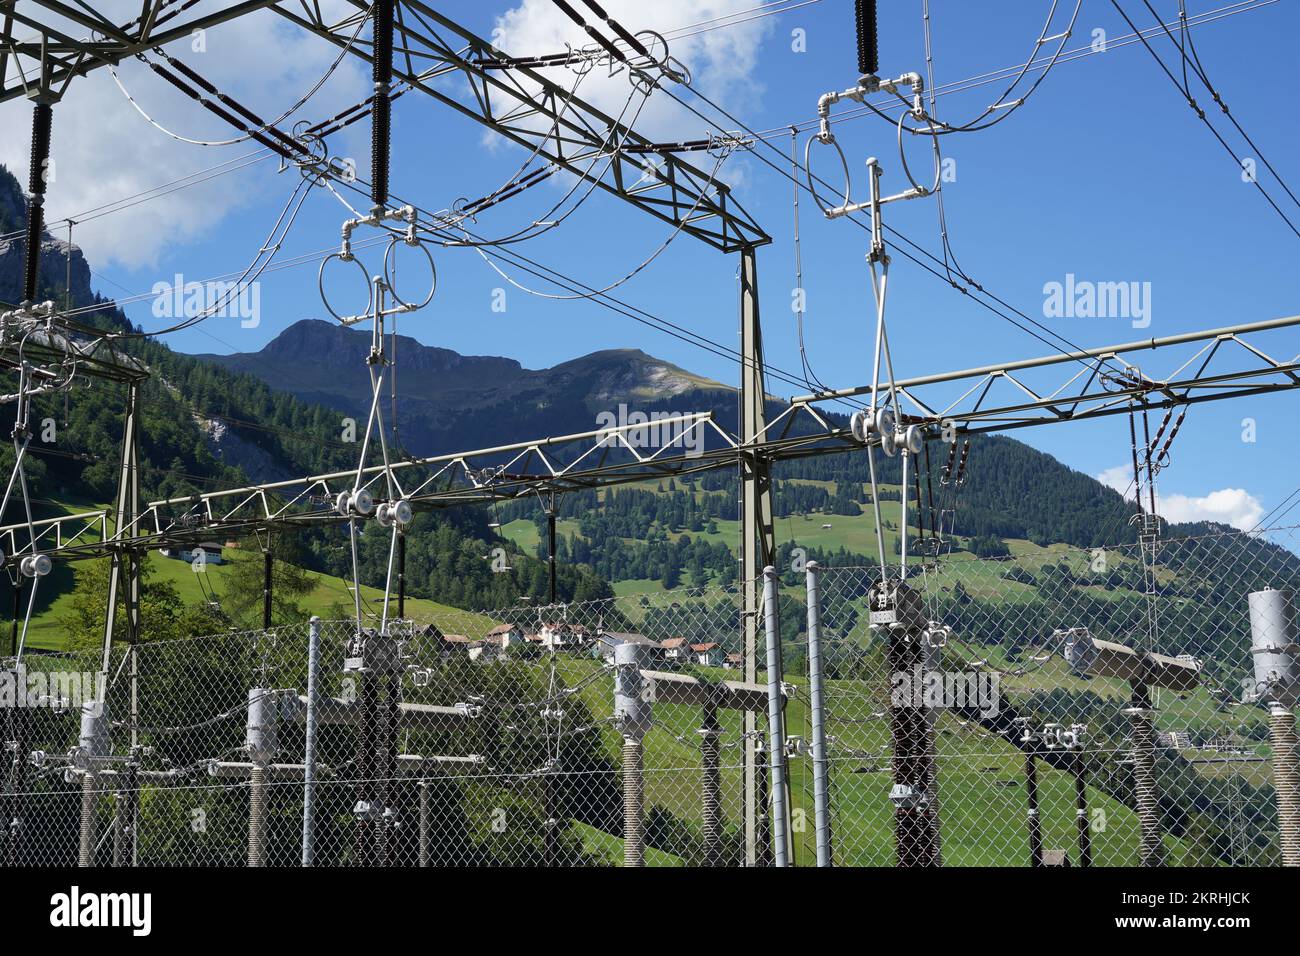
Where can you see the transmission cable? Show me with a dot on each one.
(1200, 114)
(1205, 80)
(251, 134)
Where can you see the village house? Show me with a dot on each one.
(454, 644)
(208, 551)
(496, 646)
(563, 636)
(509, 635)
(708, 654)
(603, 647)
(676, 650)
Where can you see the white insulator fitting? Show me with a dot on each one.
(359, 502)
(885, 422)
(862, 425)
(397, 513)
(936, 635)
(36, 565)
(912, 439)
(362, 502)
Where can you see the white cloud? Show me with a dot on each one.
(104, 151)
(1119, 478)
(722, 62)
(1230, 506)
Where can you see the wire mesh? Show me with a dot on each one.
(1012, 713)
(490, 738)
(475, 739)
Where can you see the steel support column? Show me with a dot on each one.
(401, 575)
(128, 492)
(124, 583)
(267, 570)
(757, 546)
(550, 553)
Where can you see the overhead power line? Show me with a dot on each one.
(1200, 114)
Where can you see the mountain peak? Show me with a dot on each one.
(452, 401)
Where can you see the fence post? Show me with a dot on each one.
(262, 741)
(1081, 809)
(775, 719)
(309, 758)
(1030, 741)
(821, 791)
(118, 828)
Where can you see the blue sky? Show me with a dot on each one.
(1104, 173)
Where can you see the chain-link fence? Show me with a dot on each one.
(1079, 708)
(468, 740)
(1047, 707)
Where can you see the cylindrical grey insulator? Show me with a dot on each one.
(424, 823)
(1151, 848)
(1273, 644)
(89, 807)
(1286, 781)
(93, 739)
(631, 709)
(257, 815)
(262, 731)
(711, 789)
(633, 796)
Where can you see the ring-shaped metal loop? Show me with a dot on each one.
(807, 168)
(907, 170)
(320, 283)
(388, 277)
(650, 49)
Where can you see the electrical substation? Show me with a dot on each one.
(866, 714)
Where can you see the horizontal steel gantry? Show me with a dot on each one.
(517, 102)
(1107, 382)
